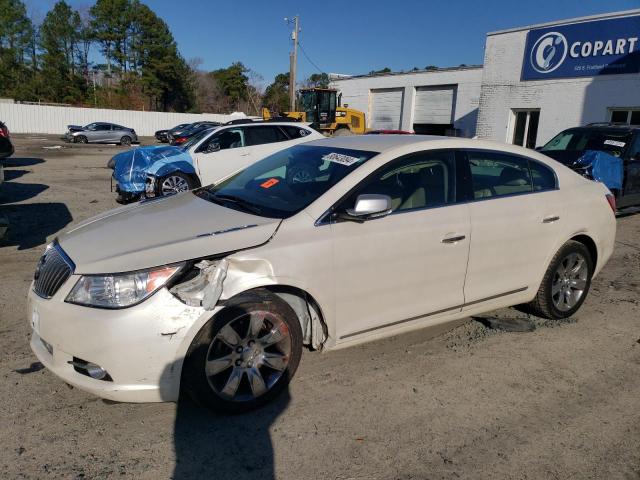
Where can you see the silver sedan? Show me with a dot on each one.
(101, 132)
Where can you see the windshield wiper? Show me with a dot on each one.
(241, 202)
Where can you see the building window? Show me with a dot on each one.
(630, 116)
(525, 127)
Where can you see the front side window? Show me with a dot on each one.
(224, 140)
(417, 181)
(286, 182)
(263, 135)
(496, 174)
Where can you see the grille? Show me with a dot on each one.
(52, 271)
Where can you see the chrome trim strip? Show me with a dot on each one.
(437, 312)
(219, 232)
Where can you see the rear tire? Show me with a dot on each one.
(565, 284)
(126, 141)
(342, 132)
(229, 364)
(81, 139)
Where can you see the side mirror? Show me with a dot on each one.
(368, 206)
(213, 147)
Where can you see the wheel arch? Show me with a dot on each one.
(588, 242)
(306, 307)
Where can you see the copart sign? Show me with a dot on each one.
(599, 47)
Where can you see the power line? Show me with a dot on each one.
(304, 52)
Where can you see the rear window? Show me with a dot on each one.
(295, 132)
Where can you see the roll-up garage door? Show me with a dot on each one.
(434, 105)
(386, 108)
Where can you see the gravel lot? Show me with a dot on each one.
(560, 401)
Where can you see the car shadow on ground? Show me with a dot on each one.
(209, 445)
(11, 192)
(14, 174)
(31, 224)
(20, 161)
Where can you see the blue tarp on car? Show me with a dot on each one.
(605, 168)
(132, 166)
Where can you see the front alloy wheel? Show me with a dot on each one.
(245, 355)
(174, 183)
(248, 356)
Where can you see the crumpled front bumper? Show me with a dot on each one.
(142, 348)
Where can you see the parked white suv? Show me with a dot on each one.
(205, 158)
(218, 289)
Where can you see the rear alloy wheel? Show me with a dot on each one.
(125, 141)
(244, 356)
(565, 284)
(175, 183)
(81, 139)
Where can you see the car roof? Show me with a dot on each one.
(605, 128)
(376, 143)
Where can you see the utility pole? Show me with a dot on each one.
(293, 62)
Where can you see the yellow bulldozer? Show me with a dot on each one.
(322, 108)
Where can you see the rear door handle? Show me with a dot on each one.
(453, 239)
(551, 219)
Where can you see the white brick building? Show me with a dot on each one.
(556, 103)
(535, 82)
(426, 101)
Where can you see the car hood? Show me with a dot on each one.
(75, 128)
(132, 166)
(162, 231)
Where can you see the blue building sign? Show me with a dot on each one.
(598, 47)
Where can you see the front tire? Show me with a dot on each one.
(565, 284)
(244, 356)
(81, 139)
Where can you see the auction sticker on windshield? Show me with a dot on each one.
(615, 143)
(269, 183)
(340, 158)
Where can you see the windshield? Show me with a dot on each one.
(195, 139)
(286, 182)
(611, 142)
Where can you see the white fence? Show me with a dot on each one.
(21, 118)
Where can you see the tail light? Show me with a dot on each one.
(612, 202)
(180, 140)
(4, 132)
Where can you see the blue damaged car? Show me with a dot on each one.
(605, 152)
(205, 158)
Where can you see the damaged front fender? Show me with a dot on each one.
(237, 277)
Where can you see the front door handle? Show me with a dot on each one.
(551, 219)
(453, 239)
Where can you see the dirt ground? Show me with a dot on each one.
(561, 401)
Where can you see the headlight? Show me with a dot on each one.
(120, 290)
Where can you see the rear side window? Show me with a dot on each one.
(295, 132)
(497, 175)
(262, 135)
(543, 177)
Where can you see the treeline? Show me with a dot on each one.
(141, 69)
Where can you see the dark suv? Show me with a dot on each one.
(6, 148)
(607, 152)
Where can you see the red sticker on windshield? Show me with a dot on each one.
(270, 183)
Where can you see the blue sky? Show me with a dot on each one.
(350, 36)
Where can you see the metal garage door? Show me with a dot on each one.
(434, 104)
(386, 108)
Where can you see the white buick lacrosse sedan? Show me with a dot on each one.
(327, 244)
